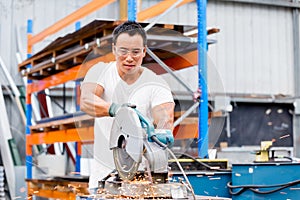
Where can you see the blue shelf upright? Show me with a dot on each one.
(202, 77)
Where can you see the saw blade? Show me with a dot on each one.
(125, 165)
(127, 141)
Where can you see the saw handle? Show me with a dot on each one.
(163, 137)
(114, 108)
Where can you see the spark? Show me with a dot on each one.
(284, 136)
(75, 173)
(268, 111)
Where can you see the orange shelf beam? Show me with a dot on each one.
(186, 131)
(158, 9)
(183, 61)
(71, 18)
(180, 62)
(85, 134)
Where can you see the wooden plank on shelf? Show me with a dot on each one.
(69, 42)
(78, 59)
(73, 73)
(79, 71)
(54, 65)
(63, 124)
(66, 50)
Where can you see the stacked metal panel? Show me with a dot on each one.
(2, 183)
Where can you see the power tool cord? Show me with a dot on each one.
(255, 188)
(204, 164)
(156, 140)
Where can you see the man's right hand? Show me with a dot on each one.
(114, 108)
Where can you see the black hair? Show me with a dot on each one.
(130, 27)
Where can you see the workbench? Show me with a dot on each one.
(95, 197)
(65, 188)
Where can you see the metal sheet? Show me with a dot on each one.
(266, 174)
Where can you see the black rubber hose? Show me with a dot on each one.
(254, 188)
(156, 140)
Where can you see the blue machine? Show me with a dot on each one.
(208, 183)
(266, 181)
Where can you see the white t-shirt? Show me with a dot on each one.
(148, 91)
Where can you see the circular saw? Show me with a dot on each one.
(134, 140)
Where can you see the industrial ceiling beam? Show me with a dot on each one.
(71, 18)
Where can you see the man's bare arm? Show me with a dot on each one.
(163, 115)
(91, 101)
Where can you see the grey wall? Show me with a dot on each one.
(254, 53)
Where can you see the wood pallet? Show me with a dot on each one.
(63, 124)
(94, 40)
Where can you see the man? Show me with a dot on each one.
(109, 85)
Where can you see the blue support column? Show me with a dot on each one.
(131, 10)
(77, 83)
(77, 89)
(202, 76)
(28, 108)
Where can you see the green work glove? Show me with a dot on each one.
(113, 109)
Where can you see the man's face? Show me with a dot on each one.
(129, 52)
